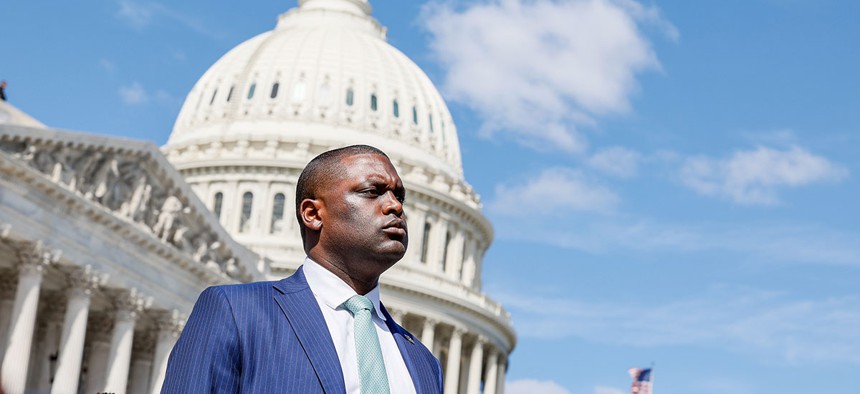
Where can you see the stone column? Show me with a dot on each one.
(415, 225)
(455, 348)
(169, 326)
(52, 318)
(428, 334)
(476, 364)
(8, 284)
(455, 254)
(33, 261)
(492, 371)
(82, 283)
(398, 315)
(469, 263)
(99, 329)
(128, 305)
(500, 384)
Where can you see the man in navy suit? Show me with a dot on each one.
(299, 334)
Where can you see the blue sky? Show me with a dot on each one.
(685, 184)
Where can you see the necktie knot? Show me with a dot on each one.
(358, 303)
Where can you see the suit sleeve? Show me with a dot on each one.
(206, 358)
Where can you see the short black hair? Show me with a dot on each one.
(321, 170)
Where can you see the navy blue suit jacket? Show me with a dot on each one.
(271, 337)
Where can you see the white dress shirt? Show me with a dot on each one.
(331, 292)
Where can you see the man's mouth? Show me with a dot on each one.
(396, 227)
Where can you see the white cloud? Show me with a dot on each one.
(750, 241)
(765, 324)
(615, 161)
(531, 386)
(537, 70)
(553, 191)
(136, 14)
(755, 176)
(141, 14)
(107, 65)
(133, 94)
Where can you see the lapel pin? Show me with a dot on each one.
(409, 338)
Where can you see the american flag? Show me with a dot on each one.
(641, 380)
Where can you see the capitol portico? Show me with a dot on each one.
(105, 243)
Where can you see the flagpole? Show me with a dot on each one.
(652, 377)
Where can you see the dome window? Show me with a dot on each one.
(247, 204)
(299, 92)
(447, 246)
(430, 121)
(350, 97)
(424, 241)
(251, 90)
(373, 105)
(275, 90)
(216, 204)
(395, 108)
(230, 93)
(214, 94)
(278, 213)
(414, 115)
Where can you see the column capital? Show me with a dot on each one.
(34, 257)
(480, 340)
(397, 314)
(171, 322)
(459, 331)
(430, 322)
(85, 279)
(129, 304)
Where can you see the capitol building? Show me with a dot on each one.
(106, 242)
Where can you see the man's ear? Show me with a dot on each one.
(311, 211)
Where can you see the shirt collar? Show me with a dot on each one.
(333, 291)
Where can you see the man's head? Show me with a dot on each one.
(349, 204)
(3, 84)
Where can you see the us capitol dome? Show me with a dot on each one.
(141, 230)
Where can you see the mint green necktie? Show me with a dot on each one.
(371, 366)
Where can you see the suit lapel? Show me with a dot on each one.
(408, 349)
(300, 307)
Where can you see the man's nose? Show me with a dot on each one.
(392, 204)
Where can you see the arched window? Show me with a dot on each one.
(216, 204)
(212, 100)
(445, 256)
(395, 108)
(299, 92)
(245, 220)
(373, 102)
(349, 96)
(430, 120)
(414, 115)
(325, 94)
(424, 246)
(275, 90)
(277, 224)
(230, 93)
(251, 90)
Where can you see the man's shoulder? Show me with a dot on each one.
(240, 289)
